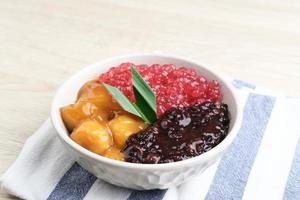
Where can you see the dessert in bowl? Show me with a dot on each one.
(196, 117)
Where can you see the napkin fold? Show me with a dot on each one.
(262, 163)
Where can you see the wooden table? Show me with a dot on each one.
(44, 42)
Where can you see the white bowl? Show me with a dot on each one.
(141, 176)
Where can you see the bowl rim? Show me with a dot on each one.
(139, 166)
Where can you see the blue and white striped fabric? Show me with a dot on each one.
(262, 163)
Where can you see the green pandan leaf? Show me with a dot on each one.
(145, 102)
(144, 97)
(122, 99)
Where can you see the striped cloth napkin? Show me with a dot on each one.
(262, 163)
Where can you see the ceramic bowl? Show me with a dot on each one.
(142, 176)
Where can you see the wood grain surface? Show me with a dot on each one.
(44, 42)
